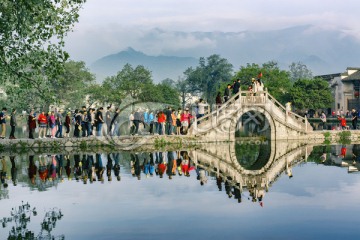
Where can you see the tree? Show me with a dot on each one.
(32, 36)
(311, 94)
(245, 74)
(275, 80)
(135, 84)
(208, 76)
(299, 71)
(71, 87)
(183, 88)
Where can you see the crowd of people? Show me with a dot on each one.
(88, 122)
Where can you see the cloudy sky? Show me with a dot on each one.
(109, 26)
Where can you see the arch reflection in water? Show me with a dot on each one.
(256, 175)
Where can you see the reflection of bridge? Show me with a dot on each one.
(222, 161)
(221, 124)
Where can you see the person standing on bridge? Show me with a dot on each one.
(31, 124)
(342, 120)
(354, 118)
(3, 122)
(227, 93)
(13, 124)
(201, 109)
(236, 87)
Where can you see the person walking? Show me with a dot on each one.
(218, 100)
(114, 125)
(99, 121)
(52, 124)
(12, 124)
(67, 124)
(227, 93)
(169, 124)
(31, 124)
(354, 118)
(42, 120)
(59, 123)
(3, 122)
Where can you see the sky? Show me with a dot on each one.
(109, 26)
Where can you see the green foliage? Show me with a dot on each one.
(344, 137)
(206, 79)
(275, 80)
(32, 36)
(311, 94)
(136, 84)
(299, 71)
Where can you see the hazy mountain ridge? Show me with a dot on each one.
(161, 66)
(323, 51)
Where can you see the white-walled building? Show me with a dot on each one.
(345, 88)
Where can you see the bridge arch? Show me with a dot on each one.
(253, 112)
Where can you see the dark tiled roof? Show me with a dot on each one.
(328, 77)
(354, 76)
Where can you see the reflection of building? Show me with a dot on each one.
(345, 88)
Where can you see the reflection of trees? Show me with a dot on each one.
(253, 156)
(21, 216)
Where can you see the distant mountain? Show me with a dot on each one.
(162, 67)
(324, 51)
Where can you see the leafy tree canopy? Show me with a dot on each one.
(32, 36)
(311, 94)
(208, 76)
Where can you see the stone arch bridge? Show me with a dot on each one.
(221, 124)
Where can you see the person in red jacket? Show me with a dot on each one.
(342, 122)
(161, 121)
(42, 120)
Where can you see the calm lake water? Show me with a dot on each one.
(306, 192)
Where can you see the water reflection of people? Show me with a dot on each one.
(152, 165)
(32, 170)
(201, 175)
(219, 182)
(109, 167)
(162, 165)
(77, 167)
(117, 166)
(99, 168)
(186, 164)
(137, 166)
(3, 172)
(13, 170)
(288, 169)
(60, 167)
(171, 167)
(43, 170)
(85, 168)
(91, 173)
(68, 167)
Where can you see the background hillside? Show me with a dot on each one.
(324, 51)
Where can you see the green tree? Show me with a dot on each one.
(71, 87)
(311, 94)
(275, 80)
(246, 73)
(298, 71)
(206, 79)
(32, 36)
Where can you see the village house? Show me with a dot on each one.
(345, 88)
